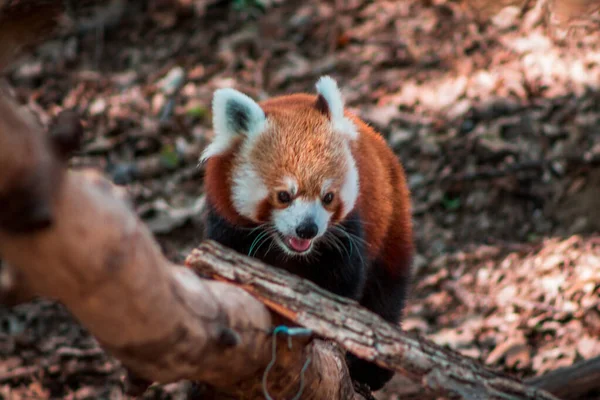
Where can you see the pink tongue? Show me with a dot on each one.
(299, 244)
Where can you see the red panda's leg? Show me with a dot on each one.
(385, 294)
(389, 277)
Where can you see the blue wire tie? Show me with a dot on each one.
(290, 332)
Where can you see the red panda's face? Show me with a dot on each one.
(293, 171)
(305, 174)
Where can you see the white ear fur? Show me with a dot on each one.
(351, 185)
(234, 113)
(328, 88)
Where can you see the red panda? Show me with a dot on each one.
(302, 184)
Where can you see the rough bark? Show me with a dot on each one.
(358, 330)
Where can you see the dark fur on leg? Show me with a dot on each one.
(384, 295)
(368, 373)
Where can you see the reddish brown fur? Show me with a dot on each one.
(217, 185)
(383, 200)
(303, 147)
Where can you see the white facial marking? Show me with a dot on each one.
(328, 88)
(248, 191)
(291, 185)
(326, 186)
(350, 187)
(288, 219)
(234, 114)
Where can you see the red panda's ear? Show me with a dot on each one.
(234, 115)
(322, 106)
(330, 99)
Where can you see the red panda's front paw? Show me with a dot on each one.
(368, 373)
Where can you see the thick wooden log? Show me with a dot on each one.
(363, 333)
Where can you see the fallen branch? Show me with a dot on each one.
(358, 330)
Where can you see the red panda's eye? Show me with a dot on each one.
(328, 198)
(284, 197)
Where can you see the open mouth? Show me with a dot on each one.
(295, 244)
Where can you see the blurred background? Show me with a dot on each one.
(492, 106)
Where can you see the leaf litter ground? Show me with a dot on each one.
(496, 124)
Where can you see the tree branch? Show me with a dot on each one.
(358, 330)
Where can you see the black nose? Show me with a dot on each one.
(307, 230)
